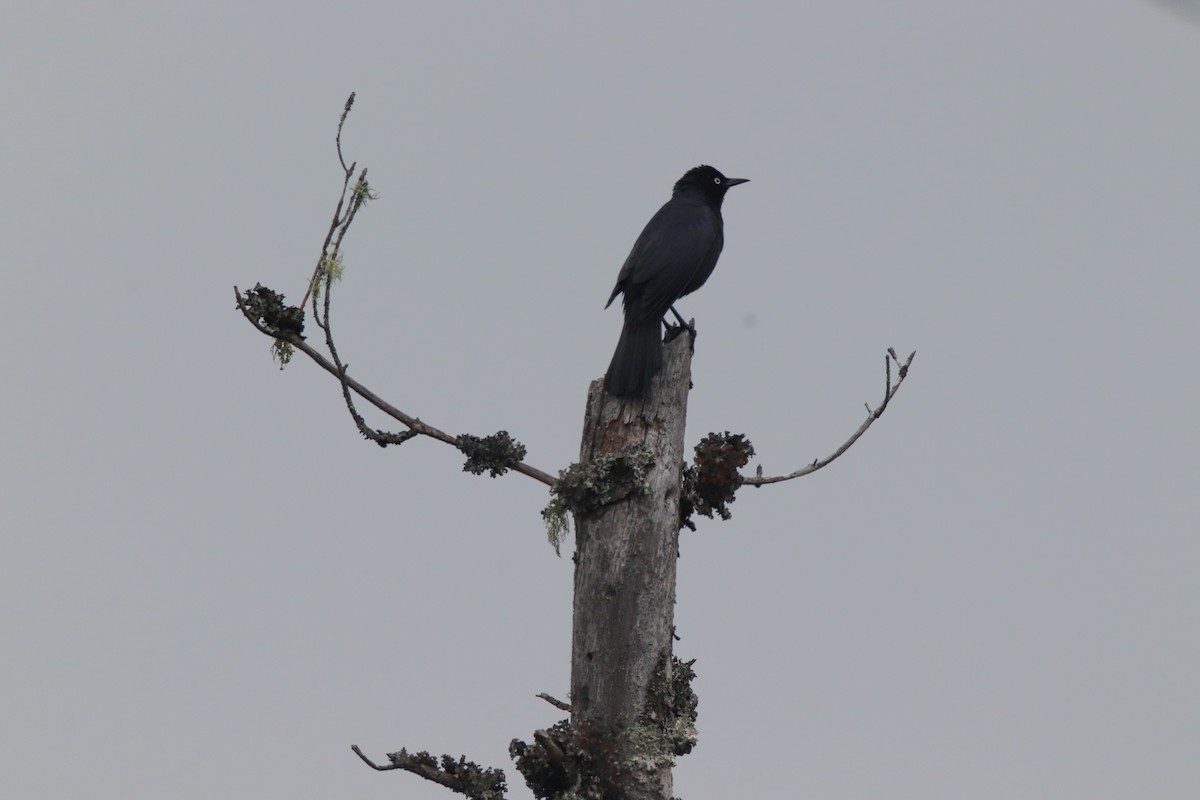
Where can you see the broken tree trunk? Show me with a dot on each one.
(625, 556)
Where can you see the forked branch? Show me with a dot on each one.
(872, 414)
(265, 310)
(415, 425)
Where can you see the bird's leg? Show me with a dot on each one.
(675, 330)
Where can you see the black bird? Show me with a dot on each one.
(674, 256)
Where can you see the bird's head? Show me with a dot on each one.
(708, 181)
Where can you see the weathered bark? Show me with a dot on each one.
(625, 554)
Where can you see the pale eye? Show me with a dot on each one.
(717, 181)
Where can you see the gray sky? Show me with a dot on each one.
(211, 586)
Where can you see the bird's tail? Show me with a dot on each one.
(638, 358)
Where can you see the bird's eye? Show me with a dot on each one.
(717, 181)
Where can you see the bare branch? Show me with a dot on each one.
(371, 763)
(889, 393)
(458, 775)
(380, 437)
(285, 325)
(413, 423)
(338, 221)
(342, 122)
(554, 701)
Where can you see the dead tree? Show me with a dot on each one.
(632, 709)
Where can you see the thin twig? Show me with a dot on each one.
(889, 393)
(380, 437)
(333, 226)
(371, 763)
(554, 701)
(341, 122)
(348, 172)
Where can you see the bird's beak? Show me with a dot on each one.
(735, 181)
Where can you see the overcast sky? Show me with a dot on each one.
(212, 587)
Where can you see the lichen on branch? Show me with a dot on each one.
(710, 483)
(496, 454)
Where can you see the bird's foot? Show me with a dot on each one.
(682, 323)
(674, 331)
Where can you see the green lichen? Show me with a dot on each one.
(496, 454)
(583, 489)
(589, 761)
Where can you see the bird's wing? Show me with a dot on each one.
(632, 274)
(677, 244)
